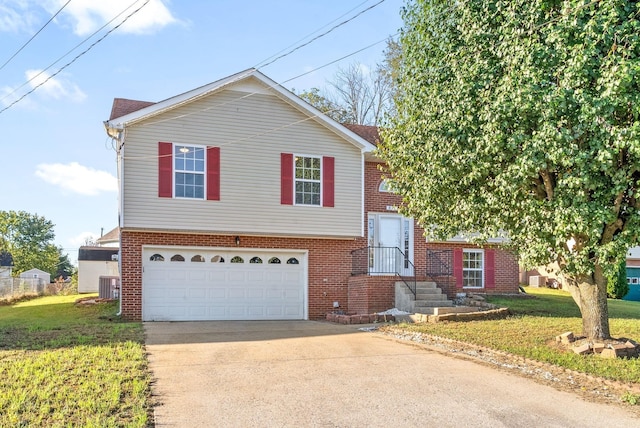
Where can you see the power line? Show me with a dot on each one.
(68, 52)
(339, 59)
(74, 59)
(323, 34)
(310, 34)
(34, 36)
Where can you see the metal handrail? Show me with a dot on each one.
(384, 261)
(439, 264)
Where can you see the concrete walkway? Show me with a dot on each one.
(316, 374)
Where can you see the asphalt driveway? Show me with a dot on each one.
(316, 374)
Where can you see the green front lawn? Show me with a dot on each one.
(69, 365)
(531, 332)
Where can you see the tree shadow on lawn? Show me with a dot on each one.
(563, 306)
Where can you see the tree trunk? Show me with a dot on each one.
(590, 294)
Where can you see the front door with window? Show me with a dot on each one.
(391, 244)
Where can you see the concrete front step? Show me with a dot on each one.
(431, 304)
(439, 296)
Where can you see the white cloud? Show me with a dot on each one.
(55, 88)
(86, 16)
(17, 16)
(77, 178)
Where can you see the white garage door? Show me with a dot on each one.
(193, 284)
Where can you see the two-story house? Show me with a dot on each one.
(239, 200)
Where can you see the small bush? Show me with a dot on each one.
(617, 287)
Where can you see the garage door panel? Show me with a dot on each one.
(236, 276)
(198, 275)
(196, 290)
(198, 293)
(255, 276)
(217, 275)
(178, 274)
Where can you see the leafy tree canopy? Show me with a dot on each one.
(523, 116)
(29, 240)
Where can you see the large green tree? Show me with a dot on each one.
(29, 239)
(523, 117)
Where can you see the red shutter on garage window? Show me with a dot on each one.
(213, 173)
(328, 164)
(489, 268)
(165, 170)
(457, 266)
(286, 178)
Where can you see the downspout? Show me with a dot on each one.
(117, 135)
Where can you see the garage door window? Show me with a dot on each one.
(177, 258)
(217, 259)
(197, 259)
(274, 260)
(255, 260)
(237, 259)
(156, 258)
(293, 261)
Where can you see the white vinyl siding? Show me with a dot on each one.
(252, 130)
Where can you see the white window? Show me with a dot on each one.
(473, 268)
(307, 180)
(384, 187)
(189, 171)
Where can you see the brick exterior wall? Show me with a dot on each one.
(329, 265)
(506, 270)
(370, 294)
(506, 263)
(329, 262)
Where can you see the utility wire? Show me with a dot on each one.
(310, 34)
(339, 59)
(34, 36)
(68, 52)
(74, 59)
(322, 35)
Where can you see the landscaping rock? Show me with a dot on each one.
(566, 338)
(582, 349)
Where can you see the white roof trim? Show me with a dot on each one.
(121, 122)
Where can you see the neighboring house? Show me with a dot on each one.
(241, 201)
(633, 274)
(110, 239)
(37, 274)
(94, 262)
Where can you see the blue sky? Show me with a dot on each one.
(57, 161)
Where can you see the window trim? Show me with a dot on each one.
(202, 173)
(304, 180)
(481, 269)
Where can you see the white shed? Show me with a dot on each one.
(36, 274)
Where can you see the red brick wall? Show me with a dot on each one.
(506, 264)
(329, 265)
(506, 270)
(371, 294)
(377, 202)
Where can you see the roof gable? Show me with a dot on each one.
(132, 111)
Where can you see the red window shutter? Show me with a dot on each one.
(489, 268)
(213, 173)
(286, 178)
(457, 266)
(165, 170)
(328, 164)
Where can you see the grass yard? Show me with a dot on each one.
(63, 364)
(531, 332)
